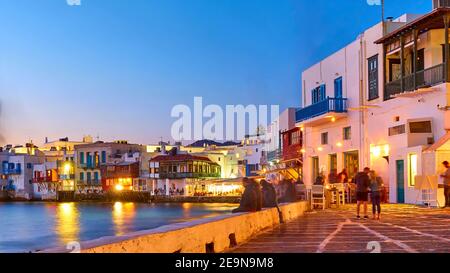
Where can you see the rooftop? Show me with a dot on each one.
(432, 20)
(179, 157)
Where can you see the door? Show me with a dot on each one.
(400, 169)
(315, 168)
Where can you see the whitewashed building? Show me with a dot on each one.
(381, 102)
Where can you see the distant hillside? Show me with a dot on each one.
(207, 142)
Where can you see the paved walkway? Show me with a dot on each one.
(403, 229)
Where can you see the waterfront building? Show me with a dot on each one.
(45, 181)
(282, 156)
(382, 102)
(120, 176)
(182, 174)
(250, 155)
(90, 157)
(408, 119)
(17, 170)
(62, 148)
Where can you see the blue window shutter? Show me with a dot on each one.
(338, 88)
(323, 92)
(103, 157)
(82, 158)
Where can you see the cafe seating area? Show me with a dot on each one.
(331, 195)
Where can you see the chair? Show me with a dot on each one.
(318, 197)
(302, 192)
(339, 194)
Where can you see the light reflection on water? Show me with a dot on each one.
(67, 223)
(36, 226)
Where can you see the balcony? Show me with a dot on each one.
(88, 166)
(188, 175)
(322, 111)
(414, 82)
(67, 176)
(274, 155)
(16, 171)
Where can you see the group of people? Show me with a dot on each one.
(172, 192)
(333, 178)
(261, 195)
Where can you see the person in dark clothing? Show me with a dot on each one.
(320, 180)
(251, 198)
(362, 181)
(269, 195)
(259, 195)
(343, 176)
(289, 193)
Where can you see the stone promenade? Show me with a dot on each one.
(403, 229)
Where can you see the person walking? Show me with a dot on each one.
(446, 177)
(376, 185)
(362, 181)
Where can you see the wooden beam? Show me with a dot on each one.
(446, 61)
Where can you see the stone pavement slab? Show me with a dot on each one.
(403, 229)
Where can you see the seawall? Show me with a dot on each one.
(210, 235)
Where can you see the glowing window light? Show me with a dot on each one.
(413, 159)
(376, 151)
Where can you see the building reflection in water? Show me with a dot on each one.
(67, 222)
(122, 216)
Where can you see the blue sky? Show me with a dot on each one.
(115, 68)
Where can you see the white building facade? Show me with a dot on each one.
(381, 102)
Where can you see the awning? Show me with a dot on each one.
(443, 144)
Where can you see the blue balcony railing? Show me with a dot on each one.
(329, 105)
(15, 171)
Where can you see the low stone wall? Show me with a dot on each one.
(201, 236)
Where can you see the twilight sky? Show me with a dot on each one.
(115, 68)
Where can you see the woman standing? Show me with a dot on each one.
(376, 185)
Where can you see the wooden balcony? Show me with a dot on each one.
(422, 79)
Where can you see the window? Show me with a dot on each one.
(295, 138)
(81, 176)
(421, 127)
(338, 88)
(82, 158)
(373, 77)
(412, 169)
(397, 130)
(324, 138)
(318, 94)
(96, 177)
(103, 157)
(347, 133)
(29, 166)
(89, 177)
